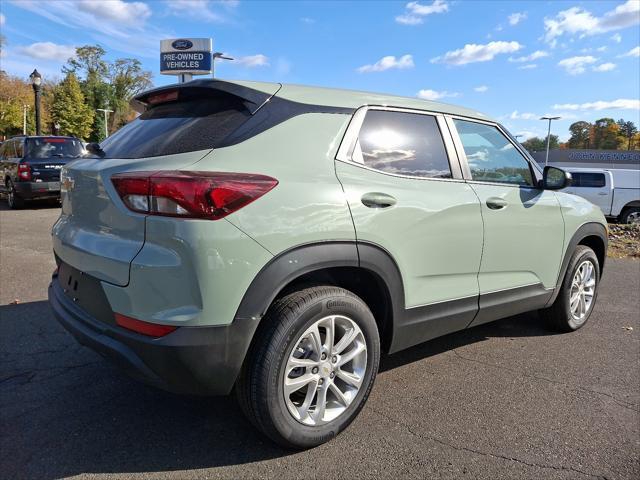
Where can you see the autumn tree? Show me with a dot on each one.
(604, 134)
(537, 144)
(69, 109)
(107, 85)
(15, 93)
(627, 130)
(579, 135)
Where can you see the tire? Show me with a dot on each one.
(14, 201)
(560, 316)
(630, 215)
(284, 337)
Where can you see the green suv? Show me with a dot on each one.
(276, 239)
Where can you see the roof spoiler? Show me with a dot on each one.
(252, 98)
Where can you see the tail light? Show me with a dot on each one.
(24, 171)
(206, 195)
(144, 328)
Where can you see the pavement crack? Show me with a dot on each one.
(621, 403)
(480, 452)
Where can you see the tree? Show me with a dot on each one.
(627, 130)
(605, 134)
(15, 93)
(537, 144)
(107, 85)
(69, 109)
(579, 134)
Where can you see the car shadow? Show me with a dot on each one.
(31, 204)
(65, 411)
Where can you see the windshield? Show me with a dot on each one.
(47, 147)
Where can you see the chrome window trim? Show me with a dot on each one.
(350, 139)
(463, 156)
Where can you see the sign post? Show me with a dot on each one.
(186, 57)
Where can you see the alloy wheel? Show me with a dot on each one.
(325, 370)
(583, 288)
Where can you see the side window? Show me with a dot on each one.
(491, 156)
(8, 149)
(19, 148)
(588, 179)
(403, 144)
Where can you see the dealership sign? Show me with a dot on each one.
(186, 56)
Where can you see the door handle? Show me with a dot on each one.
(377, 200)
(603, 193)
(496, 203)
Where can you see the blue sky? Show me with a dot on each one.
(515, 61)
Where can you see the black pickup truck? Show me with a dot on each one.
(30, 166)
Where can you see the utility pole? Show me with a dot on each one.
(546, 158)
(106, 119)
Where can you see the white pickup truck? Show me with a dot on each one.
(615, 191)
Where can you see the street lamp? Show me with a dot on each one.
(106, 118)
(546, 158)
(36, 81)
(214, 56)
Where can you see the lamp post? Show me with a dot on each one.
(546, 158)
(106, 118)
(215, 56)
(36, 81)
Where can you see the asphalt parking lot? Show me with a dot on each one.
(504, 400)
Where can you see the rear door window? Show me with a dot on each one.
(403, 144)
(588, 179)
(54, 147)
(177, 127)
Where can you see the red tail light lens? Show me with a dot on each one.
(24, 171)
(144, 328)
(206, 195)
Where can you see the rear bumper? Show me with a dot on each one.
(32, 190)
(190, 360)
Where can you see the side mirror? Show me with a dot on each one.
(554, 178)
(94, 149)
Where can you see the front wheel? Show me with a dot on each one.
(577, 297)
(312, 366)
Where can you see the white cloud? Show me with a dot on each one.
(389, 62)
(428, 94)
(472, 52)
(3, 19)
(523, 116)
(634, 52)
(206, 10)
(481, 88)
(616, 37)
(530, 58)
(576, 20)
(619, 104)
(604, 67)
(251, 61)
(529, 66)
(516, 18)
(576, 65)
(127, 13)
(47, 51)
(415, 12)
(307, 20)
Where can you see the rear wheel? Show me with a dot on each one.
(312, 367)
(574, 304)
(13, 199)
(631, 215)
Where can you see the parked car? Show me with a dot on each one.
(615, 191)
(31, 166)
(276, 239)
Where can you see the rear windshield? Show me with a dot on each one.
(177, 127)
(54, 147)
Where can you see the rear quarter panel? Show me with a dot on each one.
(308, 204)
